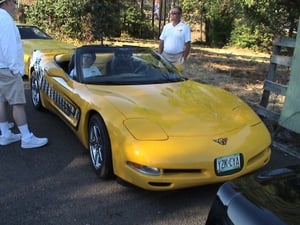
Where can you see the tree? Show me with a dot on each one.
(260, 22)
(85, 20)
(242, 23)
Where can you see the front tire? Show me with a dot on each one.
(99, 147)
(35, 92)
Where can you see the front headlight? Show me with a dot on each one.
(145, 130)
(148, 170)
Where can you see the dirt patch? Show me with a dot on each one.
(241, 72)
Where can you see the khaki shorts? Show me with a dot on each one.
(11, 88)
(176, 60)
(173, 58)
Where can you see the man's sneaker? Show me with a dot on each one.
(33, 142)
(11, 138)
(11, 125)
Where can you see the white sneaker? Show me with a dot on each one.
(11, 125)
(33, 142)
(11, 138)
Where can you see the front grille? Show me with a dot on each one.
(160, 184)
(181, 171)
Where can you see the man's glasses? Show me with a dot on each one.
(174, 13)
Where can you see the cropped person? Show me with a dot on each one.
(122, 62)
(11, 83)
(88, 70)
(175, 39)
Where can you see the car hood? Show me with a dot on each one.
(32, 44)
(275, 192)
(180, 107)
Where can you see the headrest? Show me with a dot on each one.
(123, 52)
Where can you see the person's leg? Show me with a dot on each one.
(11, 90)
(3, 111)
(4, 115)
(4, 126)
(28, 139)
(6, 137)
(19, 116)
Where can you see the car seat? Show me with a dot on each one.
(122, 62)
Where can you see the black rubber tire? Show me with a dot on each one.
(100, 148)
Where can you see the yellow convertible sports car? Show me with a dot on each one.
(34, 38)
(143, 122)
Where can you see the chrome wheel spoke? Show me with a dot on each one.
(100, 152)
(35, 92)
(96, 147)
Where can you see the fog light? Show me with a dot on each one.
(144, 169)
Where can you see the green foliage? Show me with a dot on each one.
(135, 23)
(85, 20)
(193, 10)
(242, 23)
(245, 36)
(242, 36)
(67, 15)
(219, 21)
(260, 22)
(219, 32)
(102, 19)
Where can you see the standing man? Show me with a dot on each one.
(175, 39)
(11, 83)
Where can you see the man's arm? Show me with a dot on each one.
(161, 46)
(187, 48)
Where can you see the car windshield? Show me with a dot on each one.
(120, 66)
(32, 32)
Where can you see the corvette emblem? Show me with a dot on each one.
(221, 141)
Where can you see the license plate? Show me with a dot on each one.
(228, 164)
